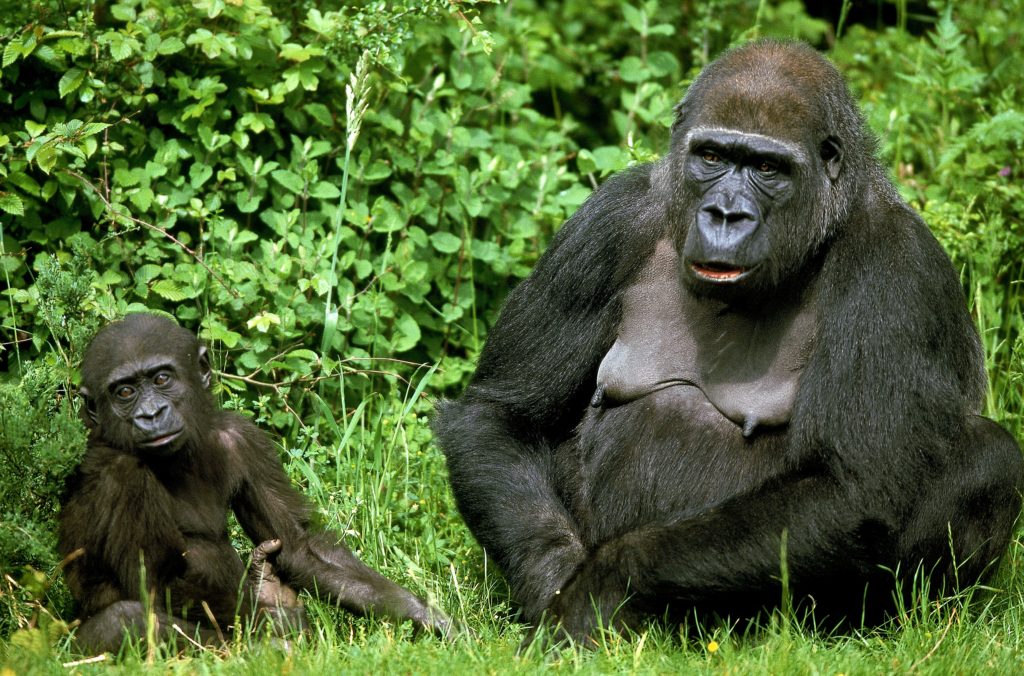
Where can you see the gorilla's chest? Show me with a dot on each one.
(746, 364)
(691, 405)
(199, 508)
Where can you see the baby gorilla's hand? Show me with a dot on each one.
(275, 601)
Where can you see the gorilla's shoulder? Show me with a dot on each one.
(618, 223)
(625, 195)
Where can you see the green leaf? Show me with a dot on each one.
(246, 203)
(289, 179)
(408, 334)
(142, 198)
(325, 191)
(386, 216)
(662, 63)
(70, 81)
(199, 174)
(92, 128)
(320, 113)
(169, 289)
(632, 69)
(12, 204)
(445, 242)
(303, 353)
(377, 171)
(636, 19)
(171, 45)
(215, 331)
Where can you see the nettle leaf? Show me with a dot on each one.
(320, 113)
(387, 217)
(636, 18)
(121, 46)
(303, 353)
(91, 128)
(199, 174)
(142, 198)
(11, 52)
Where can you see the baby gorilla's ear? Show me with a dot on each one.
(88, 411)
(205, 372)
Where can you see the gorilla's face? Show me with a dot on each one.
(751, 208)
(736, 182)
(145, 383)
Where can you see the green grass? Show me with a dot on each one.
(386, 488)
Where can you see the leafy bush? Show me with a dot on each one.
(336, 197)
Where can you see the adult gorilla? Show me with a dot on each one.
(748, 349)
(163, 467)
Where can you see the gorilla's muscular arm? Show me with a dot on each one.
(269, 508)
(535, 378)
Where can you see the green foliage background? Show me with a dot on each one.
(338, 197)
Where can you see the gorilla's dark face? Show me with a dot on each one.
(148, 395)
(761, 169)
(741, 178)
(141, 398)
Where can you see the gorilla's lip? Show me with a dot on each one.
(718, 272)
(161, 441)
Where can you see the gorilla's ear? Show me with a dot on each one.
(89, 415)
(205, 372)
(832, 157)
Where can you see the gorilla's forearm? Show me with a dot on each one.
(507, 497)
(733, 557)
(330, 571)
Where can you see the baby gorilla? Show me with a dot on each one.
(145, 515)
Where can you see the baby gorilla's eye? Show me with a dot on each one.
(125, 392)
(162, 378)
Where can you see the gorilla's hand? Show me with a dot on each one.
(276, 601)
(595, 597)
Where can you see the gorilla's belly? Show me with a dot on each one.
(662, 457)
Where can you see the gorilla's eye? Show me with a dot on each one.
(125, 392)
(710, 157)
(162, 378)
(767, 167)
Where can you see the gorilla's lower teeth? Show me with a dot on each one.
(716, 272)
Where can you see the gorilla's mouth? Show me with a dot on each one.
(717, 272)
(156, 442)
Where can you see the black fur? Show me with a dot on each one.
(653, 415)
(144, 495)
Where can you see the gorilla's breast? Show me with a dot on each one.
(747, 365)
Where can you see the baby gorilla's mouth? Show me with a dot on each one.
(717, 272)
(161, 441)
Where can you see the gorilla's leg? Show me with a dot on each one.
(969, 510)
(106, 630)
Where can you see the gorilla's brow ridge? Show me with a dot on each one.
(793, 148)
